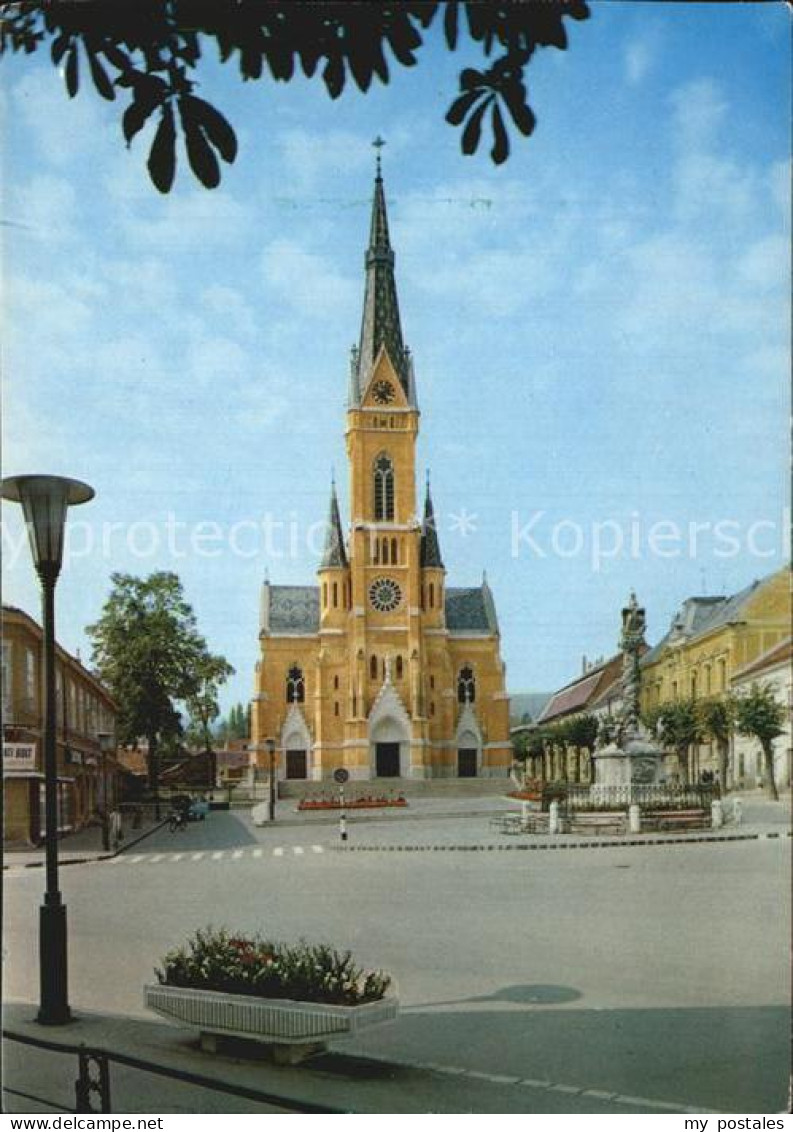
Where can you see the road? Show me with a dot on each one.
(661, 973)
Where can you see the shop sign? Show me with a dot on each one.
(19, 756)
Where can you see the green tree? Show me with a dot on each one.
(717, 717)
(202, 704)
(679, 727)
(581, 734)
(147, 650)
(760, 715)
(150, 52)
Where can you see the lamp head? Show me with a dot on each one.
(45, 500)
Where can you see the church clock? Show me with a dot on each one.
(383, 392)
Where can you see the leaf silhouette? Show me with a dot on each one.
(215, 126)
(72, 74)
(99, 75)
(200, 153)
(162, 155)
(473, 129)
(500, 150)
(460, 107)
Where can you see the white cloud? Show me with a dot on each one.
(699, 109)
(230, 307)
(63, 129)
(638, 60)
(44, 209)
(307, 281)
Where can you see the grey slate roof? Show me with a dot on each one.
(334, 553)
(527, 707)
(699, 615)
(469, 610)
(430, 551)
(380, 325)
(293, 609)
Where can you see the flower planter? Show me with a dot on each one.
(294, 1029)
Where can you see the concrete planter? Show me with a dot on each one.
(294, 1029)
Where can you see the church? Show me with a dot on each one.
(381, 668)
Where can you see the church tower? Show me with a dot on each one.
(380, 668)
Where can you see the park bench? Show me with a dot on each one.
(666, 820)
(598, 823)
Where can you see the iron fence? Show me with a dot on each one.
(92, 1083)
(577, 798)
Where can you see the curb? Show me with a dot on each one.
(570, 845)
(99, 856)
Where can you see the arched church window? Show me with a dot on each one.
(383, 489)
(373, 668)
(432, 596)
(466, 685)
(295, 686)
(394, 553)
(385, 552)
(376, 552)
(335, 682)
(335, 594)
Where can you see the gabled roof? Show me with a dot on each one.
(584, 691)
(469, 610)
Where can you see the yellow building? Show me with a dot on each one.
(381, 668)
(710, 640)
(86, 777)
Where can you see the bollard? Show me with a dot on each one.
(343, 828)
(716, 815)
(554, 826)
(525, 811)
(736, 811)
(634, 818)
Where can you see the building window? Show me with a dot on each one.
(325, 595)
(693, 685)
(6, 677)
(336, 708)
(295, 686)
(432, 682)
(399, 668)
(394, 552)
(386, 557)
(722, 675)
(707, 680)
(432, 596)
(30, 676)
(466, 685)
(373, 668)
(383, 489)
(335, 594)
(432, 707)
(336, 683)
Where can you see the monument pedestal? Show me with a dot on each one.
(622, 770)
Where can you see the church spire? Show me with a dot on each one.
(334, 553)
(430, 553)
(381, 324)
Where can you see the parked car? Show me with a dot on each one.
(199, 809)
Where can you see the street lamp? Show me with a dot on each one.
(45, 500)
(270, 745)
(106, 745)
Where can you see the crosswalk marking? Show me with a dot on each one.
(298, 850)
(215, 855)
(317, 848)
(196, 856)
(278, 852)
(177, 856)
(235, 856)
(257, 852)
(157, 857)
(218, 855)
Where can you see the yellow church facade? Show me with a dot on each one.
(381, 668)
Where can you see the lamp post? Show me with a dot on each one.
(270, 745)
(106, 745)
(45, 500)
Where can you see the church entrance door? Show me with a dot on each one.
(295, 764)
(466, 762)
(387, 760)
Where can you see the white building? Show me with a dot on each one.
(770, 670)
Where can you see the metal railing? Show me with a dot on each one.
(575, 798)
(92, 1084)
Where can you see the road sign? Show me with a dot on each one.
(341, 775)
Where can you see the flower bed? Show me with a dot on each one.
(251, 965)
(292, 998)
(351, 804)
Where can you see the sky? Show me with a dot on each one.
(600, 330)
